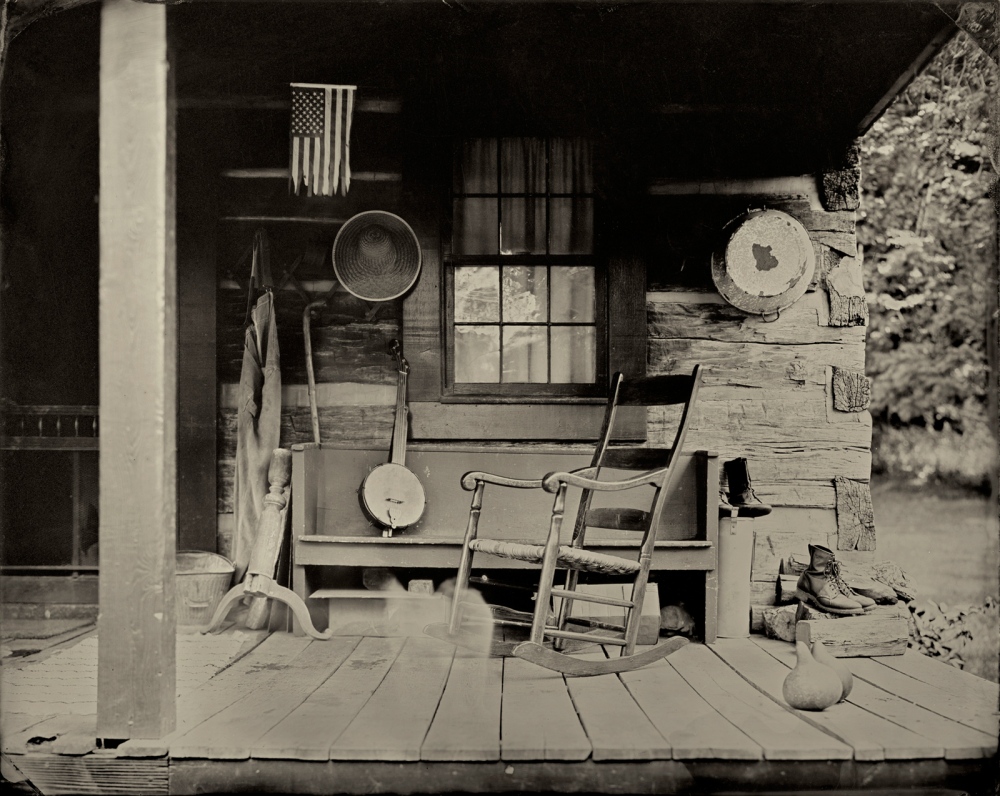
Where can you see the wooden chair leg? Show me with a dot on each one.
(566, 605)
(635, 612)
(548, 573)
(465, 565)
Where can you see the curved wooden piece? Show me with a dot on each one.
(469, 481)
(560, 662)
(553, 481)
(293, 601)
(234, 594)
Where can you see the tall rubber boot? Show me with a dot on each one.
(741, 493)
(820, 587)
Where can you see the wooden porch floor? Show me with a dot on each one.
(400, 715)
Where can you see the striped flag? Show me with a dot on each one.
(321, 138)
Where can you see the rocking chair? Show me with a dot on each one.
(547, 644)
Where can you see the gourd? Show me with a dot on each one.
(811, 685)
(826, 659)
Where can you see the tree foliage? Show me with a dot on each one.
(928, 227)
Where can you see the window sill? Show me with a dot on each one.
(494, 398)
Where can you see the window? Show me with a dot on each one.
(524, 292)
(515, 222)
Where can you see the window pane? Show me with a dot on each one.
(522, 165)
(475, 226)
(477, 294)
(572, 166)
(571, 226)
(476, 166)
(573, 294)
(525, 355)
(573, 354)
(525, 293)
(522, 226)
(477, 354)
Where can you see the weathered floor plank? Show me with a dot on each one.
(14, 725)
(72, 733)
(965, 709)
(538, 720)
(694, 729)
(467, 723)
(308, 731)
(781, 735)
(872, 737)
(945, 677)
(616, 726)
(393, 723)
(255, 669)
(231, 733)
(960, 742)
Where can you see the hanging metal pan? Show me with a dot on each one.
(376, 256)
(765, 264)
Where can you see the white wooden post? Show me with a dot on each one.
(138, 309)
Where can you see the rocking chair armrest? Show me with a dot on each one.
(470, 479)
(553, 481)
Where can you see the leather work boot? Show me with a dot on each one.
(819, 586)
(741, 493)
(865, 602)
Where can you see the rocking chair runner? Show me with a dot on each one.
(576, 557)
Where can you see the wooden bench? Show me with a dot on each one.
(329, 528)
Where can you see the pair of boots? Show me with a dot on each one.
(741, 495)
(822, 586)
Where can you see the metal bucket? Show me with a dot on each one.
(202, 580)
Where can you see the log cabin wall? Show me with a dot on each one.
(667, 93)
(667, 96)
(775, 392)
(354, 373)
(779, 392)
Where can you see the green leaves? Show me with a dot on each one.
(928, 228)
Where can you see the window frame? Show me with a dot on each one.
(439, 414)
(526, 391)
(529, 391)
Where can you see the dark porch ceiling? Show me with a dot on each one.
(685, 88)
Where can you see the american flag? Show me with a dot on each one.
(321, 138)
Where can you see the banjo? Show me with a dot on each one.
(392, 495)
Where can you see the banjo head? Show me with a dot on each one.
(393, 496)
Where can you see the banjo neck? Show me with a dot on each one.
(397, 453)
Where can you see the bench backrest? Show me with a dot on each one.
(326, 481)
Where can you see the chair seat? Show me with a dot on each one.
(569, 557)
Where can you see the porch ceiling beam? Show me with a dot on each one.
(24, 12)
(138, 381)
(932, 49)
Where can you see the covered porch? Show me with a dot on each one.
(411, 714)
(157, 711)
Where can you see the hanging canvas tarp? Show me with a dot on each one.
(258, 419)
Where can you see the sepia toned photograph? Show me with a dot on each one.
(499, 396)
